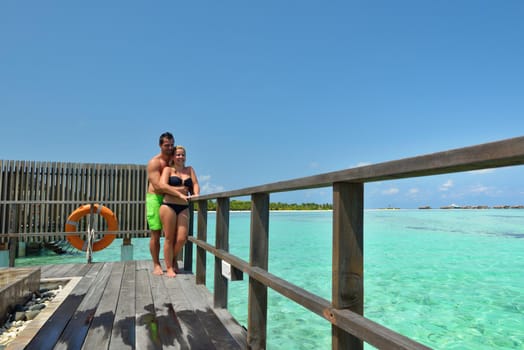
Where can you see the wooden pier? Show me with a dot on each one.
(122, 305)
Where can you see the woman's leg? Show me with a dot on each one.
(169, 218)
(182, 225)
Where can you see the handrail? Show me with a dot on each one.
(345, 312)
(370, 331)
(40, 202)
(130, 233)
(488, 155)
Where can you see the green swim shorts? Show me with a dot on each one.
(153, 202)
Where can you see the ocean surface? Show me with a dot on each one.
(450, 279)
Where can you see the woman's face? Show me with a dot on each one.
(180, 156)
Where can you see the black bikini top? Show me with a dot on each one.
(176, 181)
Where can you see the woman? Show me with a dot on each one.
(174, 212)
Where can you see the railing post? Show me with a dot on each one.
(221, 242)
(13, 245)
(201, 235)
(126, 250)
(258, 256)
(188, 247)
(348, 257)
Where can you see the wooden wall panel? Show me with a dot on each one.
(36, 198)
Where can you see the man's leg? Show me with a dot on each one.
(153, 202)
(154, 248)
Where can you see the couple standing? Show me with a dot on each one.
(171, 186)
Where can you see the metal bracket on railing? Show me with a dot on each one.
(89, 250)
(90, 235)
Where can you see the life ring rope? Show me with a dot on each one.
(73, 221)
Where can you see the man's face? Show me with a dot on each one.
(167, 146)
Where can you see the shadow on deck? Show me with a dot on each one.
(122, 305)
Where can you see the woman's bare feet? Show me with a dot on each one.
(157, 270)
(170, 272)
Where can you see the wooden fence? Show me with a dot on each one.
(37, 197)
(350, 329)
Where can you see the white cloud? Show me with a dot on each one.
(413, 191)
(480, 189)
(391, 191)
(446, 186)
(207, 187)
(485, 190)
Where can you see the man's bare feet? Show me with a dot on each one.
(175, 265)
(170, 273)
(157, 270)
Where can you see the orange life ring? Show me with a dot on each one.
(72, 223)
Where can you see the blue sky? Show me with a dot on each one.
(264, 91)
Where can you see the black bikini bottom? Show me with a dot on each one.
(178, 208)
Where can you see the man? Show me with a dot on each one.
(155, 192)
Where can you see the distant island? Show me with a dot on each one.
(454, 206)
(237, 205)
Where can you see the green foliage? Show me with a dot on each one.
(246, 205)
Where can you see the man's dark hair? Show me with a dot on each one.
(167, 135)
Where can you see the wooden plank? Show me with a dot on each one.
(123, 332)
(12, 210)
(146, 328)
(25, 193)
(193, 331)
(202, 235)
(170, 329)
(130, 185)
(50, 216)
(77, 328)
(206, 319)
(258, 256)
(489, 155)
(188, 246)
(222, 242)
(17, 171)
(235, 329)
(50, 332)
(78, 270)
(99, 334)
(32, 173)
(3, 207)
(348, 258)
(45, 214)
(58, 270)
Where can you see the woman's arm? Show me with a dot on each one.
(196, 186)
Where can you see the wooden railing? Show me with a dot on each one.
(350, 329)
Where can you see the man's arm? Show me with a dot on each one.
(153, 175)
(177, 191)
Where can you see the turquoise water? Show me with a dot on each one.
(450, 279)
